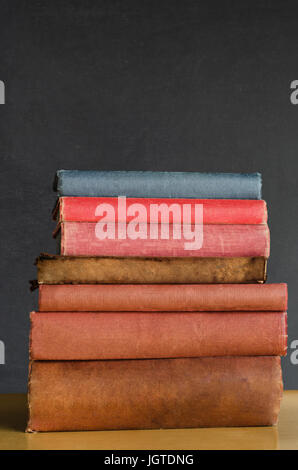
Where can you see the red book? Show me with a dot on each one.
(215, 211)
(137, 335)
(162, 297)
(86, 239)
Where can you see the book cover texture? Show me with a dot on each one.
(158, 184)
(148, 394)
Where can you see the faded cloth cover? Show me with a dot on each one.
(79, 239)
(158, 184)
(137, 335)
(53, 269)
(215, 211)
(146, 394)
(163, 297)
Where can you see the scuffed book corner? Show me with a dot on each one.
(34, 284)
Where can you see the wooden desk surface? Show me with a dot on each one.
(13, 418)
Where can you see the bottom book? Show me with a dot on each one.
(158, 393)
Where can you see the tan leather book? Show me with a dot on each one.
(159, 393)
(55, 269)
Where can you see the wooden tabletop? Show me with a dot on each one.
(284, 436)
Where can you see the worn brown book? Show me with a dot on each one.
(55, 269)
(159, 393)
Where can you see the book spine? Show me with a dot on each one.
(158, 297)
(110, 270)
(158, 184)
(215, 211)
(133, 335)
(166, 393)
(82, 239)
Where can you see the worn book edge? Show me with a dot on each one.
(47, 256)
(28, 427)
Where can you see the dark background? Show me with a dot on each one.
(140, 85)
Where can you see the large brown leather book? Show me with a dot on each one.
(162, 297)
(160, 393)
(138, 335)
(55, 269)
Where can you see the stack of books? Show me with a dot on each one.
(155, 314)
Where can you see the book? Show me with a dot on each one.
(162, 297)
(92, 239)
(146, 335)
(148, 394)
(55, 269)
(158, 184)
(215, 211)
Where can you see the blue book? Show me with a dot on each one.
(158, 184)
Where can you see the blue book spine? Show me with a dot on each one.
(159, 184)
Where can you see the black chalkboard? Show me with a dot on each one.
(140, 85)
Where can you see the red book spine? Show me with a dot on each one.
(135, 335)
(81, 239)
(162, 297)
(215, 211)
